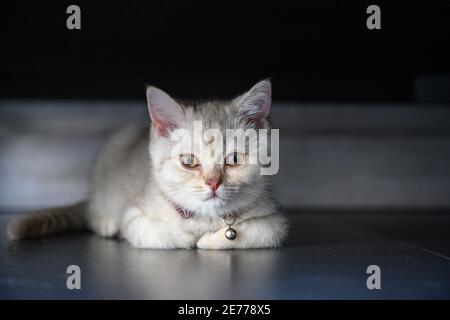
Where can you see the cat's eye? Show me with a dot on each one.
(189, 161)
(234, 159)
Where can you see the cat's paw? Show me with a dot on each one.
(104, 226)
(214, 240)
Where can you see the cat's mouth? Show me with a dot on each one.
(214, 199)
(219, 197)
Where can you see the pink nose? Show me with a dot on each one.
(214, 183)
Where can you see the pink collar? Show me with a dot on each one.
(184, 213)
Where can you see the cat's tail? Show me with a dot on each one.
(48, 222)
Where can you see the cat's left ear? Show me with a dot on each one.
(254, 105)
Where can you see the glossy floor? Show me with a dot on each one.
(325, 257)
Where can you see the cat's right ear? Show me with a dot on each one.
(165, 112)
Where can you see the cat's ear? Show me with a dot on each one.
(254, 105)
(165, 112)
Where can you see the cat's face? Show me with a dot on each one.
(209, 172)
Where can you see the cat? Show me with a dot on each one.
(143, 193)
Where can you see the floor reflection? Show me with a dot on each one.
(181, 274)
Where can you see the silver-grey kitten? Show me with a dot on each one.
(143, 193)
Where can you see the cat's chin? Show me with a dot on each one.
(214, 203)
(210, 205)
(213, 198)
(213, 206)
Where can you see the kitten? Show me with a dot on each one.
(141, 191)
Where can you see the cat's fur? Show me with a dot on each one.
(136, 184)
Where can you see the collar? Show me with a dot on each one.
(184, 213)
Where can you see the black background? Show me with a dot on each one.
(312, 50)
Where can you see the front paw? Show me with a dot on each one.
(215, 240)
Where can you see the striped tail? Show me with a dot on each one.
(48, 222)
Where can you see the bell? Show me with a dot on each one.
(230, 233)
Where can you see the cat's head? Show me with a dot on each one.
(197, 169)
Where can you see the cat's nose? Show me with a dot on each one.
(213, 183)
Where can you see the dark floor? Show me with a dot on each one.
(325, 257)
